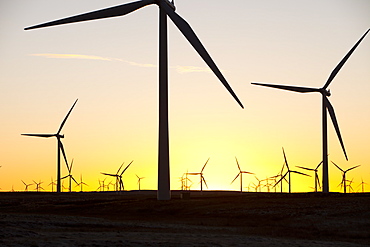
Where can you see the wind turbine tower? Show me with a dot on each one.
(326, 107)
(59, 146)
(166, 8)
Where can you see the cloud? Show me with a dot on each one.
(71, 56)
(179, 69)
(191, 69)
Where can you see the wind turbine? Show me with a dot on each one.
(241, 175)
(118, 176)
(362, 184)
(52, 183)
(317, 180)
(326, 106)
(115, 175)
(70, 176)
(289, 172)
(166, 8)
(38, 185)
(280, 180)
(184, 181)
(201, 176)
(139, 180)
(344, 174)
(59, 145)
(26, 188)
(81, 183)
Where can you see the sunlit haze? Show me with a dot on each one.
(111, 67)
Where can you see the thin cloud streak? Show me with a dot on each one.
(178, 68)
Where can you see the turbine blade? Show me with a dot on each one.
(204, 182)
(335, 123)
(120, 168)
(70, 169)
(286, 162)
(204, 165)
(309, 169)
(318, 180)
(248, 173)
(352, 168)
(63, 152)
(126, 167)
(337, 166)
(39, 135)
(74, 179)
(65, 119)
(318, 165)
(189, 34)
(301, 173)
(107, 174)
(238, 164)
(289, 88)
(235, 178)
(99, 14)
(342, 62)
(64, 177)
(283, 177)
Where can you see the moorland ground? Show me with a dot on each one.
(211, 218)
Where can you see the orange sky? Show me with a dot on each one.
(111, 67)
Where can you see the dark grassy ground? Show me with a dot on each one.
(304, 216)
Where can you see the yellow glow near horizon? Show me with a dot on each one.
(111, 67)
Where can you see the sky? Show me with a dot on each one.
(110, 66)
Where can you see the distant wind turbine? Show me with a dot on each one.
(326, 106)
(81, 183)
(202, 179)
(52, 183)
(118, 176)
(26, 188)
(362, 184)
(38, 185)
(288, 173)
(139, 180)
(241, 175)
(59, 145)
(317, 180)
(166, 8)
(70, 176)
(344, 174)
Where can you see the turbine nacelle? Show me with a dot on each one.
(325, 92)
(170, 4)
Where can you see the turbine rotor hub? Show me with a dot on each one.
(171, 4)
(325, 92)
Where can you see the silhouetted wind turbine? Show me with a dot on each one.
(26, 188)
(139, 180)
(317, 180)
(118, 176)
(344, 174)
(362, 184)
(241, 175)
(326, 106)
(38, 185)
(81, 183)
(70, 176)
(121, 185)
(166, 8)
(288, 173)
(52, 183)
(201, 176)
(115, 175)
(59, 145)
